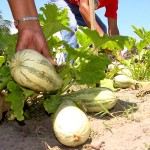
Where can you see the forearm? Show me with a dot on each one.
(86, 16)
(113, 31)
(112, 27)
(24, 8)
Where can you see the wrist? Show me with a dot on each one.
(34, 25)
(28, 22)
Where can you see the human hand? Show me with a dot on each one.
(33, 38)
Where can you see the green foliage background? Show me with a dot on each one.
(87, 68)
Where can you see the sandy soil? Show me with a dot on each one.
(128, 130)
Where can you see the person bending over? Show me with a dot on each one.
(79, 14)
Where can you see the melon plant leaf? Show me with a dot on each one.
(55, 42)
(51, 104)
(98, 40)
(53, 20)
(130, 43)
(140, 45)
(93, 34)
(27, 92)
(52, 27)
(115, 42)
(2, 60)
(111, 45)
(47, 14)
(140, 32)
(83, 39)
(5, 71)
(17, 99)
(72, 53)
(92, 71)
(4, 81)
(108, 83)
(50, 13)
(5, 77)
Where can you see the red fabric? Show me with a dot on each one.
(110, 5)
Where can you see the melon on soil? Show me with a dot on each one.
(71, 125)
(31, 69)
(93, 99)
(123, 81)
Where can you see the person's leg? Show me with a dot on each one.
(67, 36)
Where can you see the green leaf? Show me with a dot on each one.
(63, 17)
(93, 34)
(55, 42)
(111, 45)
(52, 27)
(50, 13)
(93, 70)
(83, 39)
(130, 43)
(5, 71)
(101, 40)
(142, 33)
(13, 86)
(72, 53)
(140, 45)
(51, 104)
(114, 42)
(107, 83)
(138, 31)
(53, 20)
(4, 81)
(26, 92)
(2, 60)
(17, 99)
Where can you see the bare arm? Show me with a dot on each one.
(112, 27)
(85, 12)
(22, 8)
(30, 34)
(113, 30)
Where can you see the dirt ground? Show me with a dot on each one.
(128, 130)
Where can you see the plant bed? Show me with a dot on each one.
(29, 125)
(127, 129)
